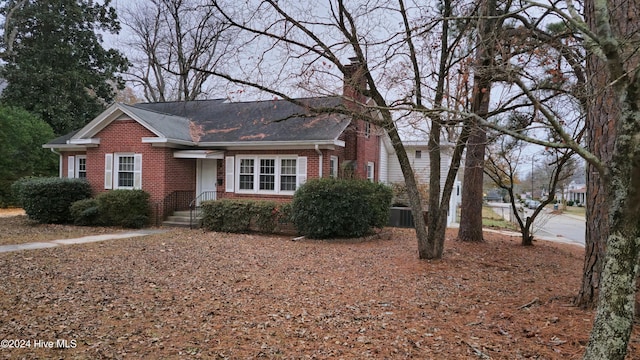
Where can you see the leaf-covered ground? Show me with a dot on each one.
(16, 228)
(192, 294)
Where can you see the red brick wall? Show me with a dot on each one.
(161, 172)
(361, 148)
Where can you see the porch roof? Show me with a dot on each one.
(198, 154)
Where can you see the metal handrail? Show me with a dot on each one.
(177, 200)
(194, 209)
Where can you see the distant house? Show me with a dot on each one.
(418, 154)
(577, 193)
(184, 152)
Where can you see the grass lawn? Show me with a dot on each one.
(574, 210)
(494, 220)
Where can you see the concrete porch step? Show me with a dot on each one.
(181, 219)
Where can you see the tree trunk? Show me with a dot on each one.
(602, 110)
(613, 21)
(437, 216)
(472, 188)
(600, 142)
(527, 236)
(425, 250)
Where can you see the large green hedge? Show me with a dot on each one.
(125, 208)
(328, 208)
(241, 216)
(47, 200)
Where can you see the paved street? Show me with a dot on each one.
(561, 228)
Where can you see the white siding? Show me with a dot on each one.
(421, 168)
(384, 164)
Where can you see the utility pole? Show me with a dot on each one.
(531, 177)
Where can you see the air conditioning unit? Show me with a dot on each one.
(401, 217)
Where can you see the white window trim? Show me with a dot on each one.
(137, 171)
(77, 165)
(300, 178)
(371, 176)
(335, 167)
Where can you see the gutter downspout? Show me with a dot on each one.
(317, 147)
(59, 162)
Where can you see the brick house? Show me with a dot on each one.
(181, 152)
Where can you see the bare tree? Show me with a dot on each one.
(505, 156)
(392, 60)
(176, 43)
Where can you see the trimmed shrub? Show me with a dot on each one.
(126, 208)
(327, 208)
(241, 216)
(16, 189)
(265, 215)
(47, 200)
(86, 212)
(227, 215)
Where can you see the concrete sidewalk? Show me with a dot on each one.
(80, 240)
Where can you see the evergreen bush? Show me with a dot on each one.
(48, 199)
(126, 208)
(86, 212)
(227, 215)
(327, 208)
(241, 216)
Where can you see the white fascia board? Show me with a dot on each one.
(198, 154)
(87, 142)
(271, 145)
(65, 147)
(163, 141)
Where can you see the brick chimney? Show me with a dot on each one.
(355, 83)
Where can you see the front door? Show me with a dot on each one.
(207, 179)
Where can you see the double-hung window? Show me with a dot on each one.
(288, 174)
(246, 174)
(123, 171)
(81, 166)
(269, 174)
(124, 174)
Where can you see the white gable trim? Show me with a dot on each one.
(113, 113)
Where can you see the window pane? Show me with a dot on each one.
(125, 163)
(82, 168)
(246, 166)
(125, 179)
(125, 171)
(288, 175)
(246, 174)
(267, 174)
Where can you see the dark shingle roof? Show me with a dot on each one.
(62, 140)
(171, 126)
(273, 120)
